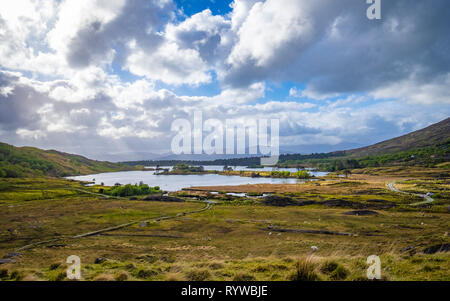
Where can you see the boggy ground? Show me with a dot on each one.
(236, 239)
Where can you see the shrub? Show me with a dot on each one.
(132, 190)
(302, 174)
(280, 174)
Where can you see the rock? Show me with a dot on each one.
(437, 248)
(360, 212)
(314, 248)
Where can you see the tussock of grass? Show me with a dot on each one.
(243, 277)
(145, 273)
(175, 277)
(334, 270)
(304, 271)
(340, 273)
(121, 276)
(198, 275)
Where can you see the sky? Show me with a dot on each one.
(106, 78)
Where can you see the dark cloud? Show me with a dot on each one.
(18, 107)
(139, 20)
(411, 40)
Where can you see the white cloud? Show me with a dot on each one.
(413, 91)
(63, 70)
(268, 28)
(170, 64)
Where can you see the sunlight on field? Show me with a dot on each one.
(237, 239)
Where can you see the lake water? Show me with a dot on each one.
(178, 182)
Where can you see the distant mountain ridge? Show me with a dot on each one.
(433, 135)
(30, 161)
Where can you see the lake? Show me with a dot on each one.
(178, 182)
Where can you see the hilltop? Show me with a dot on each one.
(30, 161)
(435, 134)
(425, 147)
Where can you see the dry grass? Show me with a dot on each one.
(229, 242)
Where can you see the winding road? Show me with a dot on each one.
(427, 198)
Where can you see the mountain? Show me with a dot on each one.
(425, 147)
(435, 134)
(30, 161)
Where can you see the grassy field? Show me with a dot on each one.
(237, 238)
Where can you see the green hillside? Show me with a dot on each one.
(427, 156)
(29, 161)
(435, 134)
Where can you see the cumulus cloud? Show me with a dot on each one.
(333, 48)
(114, 74)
